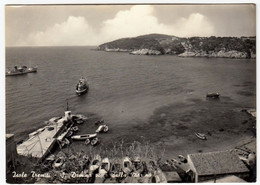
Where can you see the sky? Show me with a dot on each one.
(79, 25)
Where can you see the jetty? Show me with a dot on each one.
(41, 142)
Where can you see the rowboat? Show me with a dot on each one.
(94, 141)
(212, 95)
(84, 136)
(102, 128)
(201, 136)
(127, 165)
(105, 167)
(95, 164)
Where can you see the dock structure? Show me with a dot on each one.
(42, 141)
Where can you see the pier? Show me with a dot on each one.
(43, 140)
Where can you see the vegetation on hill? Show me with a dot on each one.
(243, 47)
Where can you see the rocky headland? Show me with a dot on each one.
(158, 44)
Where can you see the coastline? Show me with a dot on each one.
(233, 54)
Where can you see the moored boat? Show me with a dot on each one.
(102, 128)
(20, 70)
(212, 95)
(95, 164)
(94, 141)
(105, 167)
(116, 167)
(201, 136)
(84, 136)
(82, 86)
(127, 165)
(32, 70)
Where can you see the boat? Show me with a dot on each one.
(94, 141)
(75, 128)
(212, 95)
(116, 167)
(182, 158)
(32, 70)
(82, 86)
(79, 119)
(127, 165)
(95, 164)
(87, 141)
(102, 128)
(58, 163)
(201, 136)
(20, 70)
(64, 142)
(69, 134)
(84, 136)
(104, 167)
(138, 167)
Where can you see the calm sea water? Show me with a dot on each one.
(124, 89)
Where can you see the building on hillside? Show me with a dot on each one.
(214, 165)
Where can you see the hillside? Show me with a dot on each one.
(159, 44)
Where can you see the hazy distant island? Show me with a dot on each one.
(159, 44)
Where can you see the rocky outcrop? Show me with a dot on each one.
(146, 52)
(116, 50)
(213, 54)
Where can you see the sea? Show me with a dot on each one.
(125, 89)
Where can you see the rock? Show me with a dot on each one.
(146, 52)
(187, 54)
(115, 50)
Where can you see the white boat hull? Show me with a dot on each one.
(84, 137)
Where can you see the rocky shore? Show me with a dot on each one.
(212, 54)
(146, 52)
(219, 54)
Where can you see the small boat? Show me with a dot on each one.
(82, 86)
(212, 95)
(69, 134)
(116, 167)
(127, 165)
(201, 136)
(87, 141)
(95, 163)
(182, 159)
(105, 167)
(79, 116)
(64, 142)
(138, 167)
(84, 136)
(75, 128)
(58, 163)
(79, 119)
(102, 128)
(94, 141)
(32, 70)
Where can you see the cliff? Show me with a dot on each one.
(158, 44)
